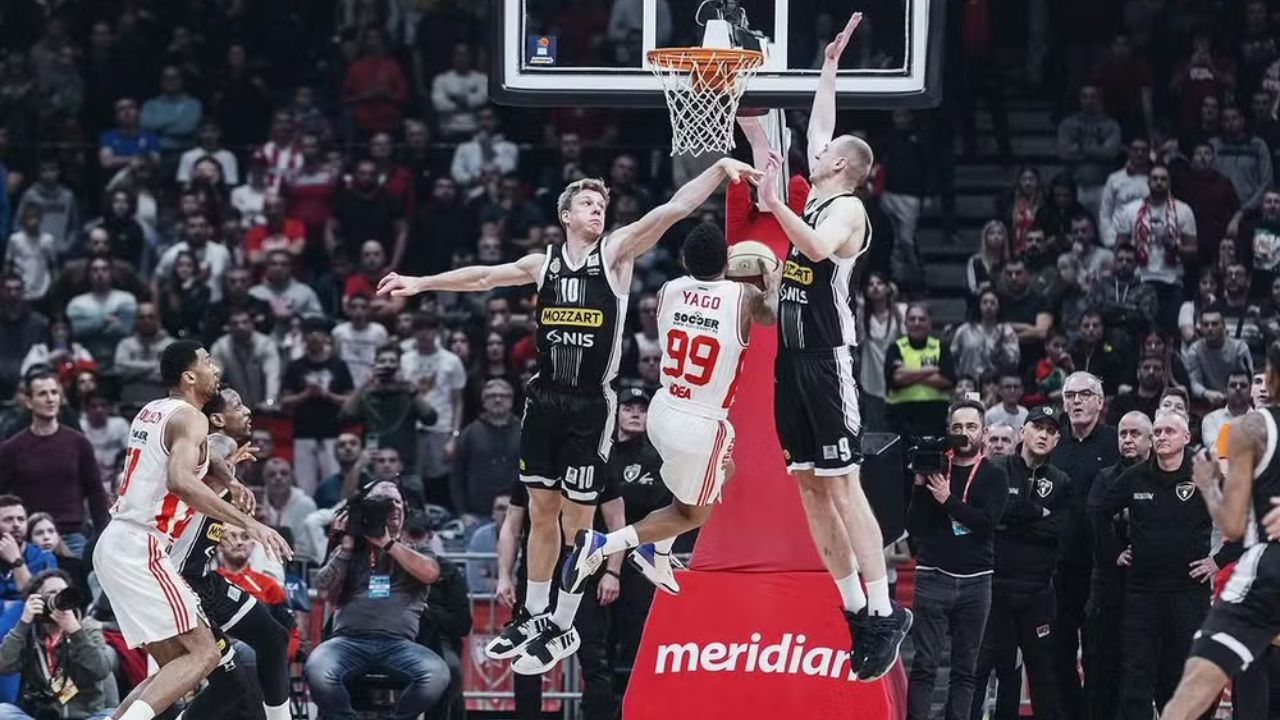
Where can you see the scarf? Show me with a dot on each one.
(1142, 232)
(1024, 218)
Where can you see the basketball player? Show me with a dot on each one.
(229, 608)
(1246, 617)
(162, 487)
(816, 396)
(704, 321)
(567, 429)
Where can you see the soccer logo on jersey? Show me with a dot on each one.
(1044, 486)
(1184, 490)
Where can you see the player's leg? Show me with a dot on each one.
(184, 661)
(864, 537)
(258, 628)
(230, 684)
(1201, 686)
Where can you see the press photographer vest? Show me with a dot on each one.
(915, 359)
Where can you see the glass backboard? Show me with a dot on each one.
(592, 52)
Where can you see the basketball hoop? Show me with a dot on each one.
(702, 87)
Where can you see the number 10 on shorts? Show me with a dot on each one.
(580, 478)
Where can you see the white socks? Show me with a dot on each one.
(851, 592)
(878, 597)
(566, 609)
(280, 712)
(537, 598)
(662, 558)
(138, 710)
(624, 539)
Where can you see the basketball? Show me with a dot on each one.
(745, 258)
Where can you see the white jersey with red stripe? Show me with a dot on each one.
(700, 329)
(145, 499)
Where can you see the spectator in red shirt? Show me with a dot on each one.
(393, 177)
(309, 192)
(280, 232)
(1125, 82)
(1201, 75)
(233, 564)
(374, 88)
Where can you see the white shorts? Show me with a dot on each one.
(150, 599)
(695, 451)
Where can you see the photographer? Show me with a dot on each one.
(955, 504)
(379, 586)
(61, 655)
(387, 406)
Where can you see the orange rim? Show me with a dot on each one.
(687, 58)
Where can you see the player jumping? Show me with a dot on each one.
(704, 322)
(567, 428)
(163, 486)
(816, 392)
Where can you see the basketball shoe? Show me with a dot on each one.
(883, 635)
(584, 560)
(546, 650)
(656, 567)
(519, 632)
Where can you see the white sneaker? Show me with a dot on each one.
(654, 568)
(546, 650)
(584, 561)
(516, 635)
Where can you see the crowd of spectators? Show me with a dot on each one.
(246, 173)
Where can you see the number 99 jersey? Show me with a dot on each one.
(700, 328)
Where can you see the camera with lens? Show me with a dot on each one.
(928, 454)
(367, 516)
(68, 598)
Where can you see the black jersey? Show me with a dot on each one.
(815, 309)
(1266, 478)
(580, 319)
(193, 552)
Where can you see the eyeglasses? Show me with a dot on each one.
(1082, 395)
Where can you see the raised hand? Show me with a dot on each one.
(769, 198)
(397, 285)
(836, 47)
(736, 170)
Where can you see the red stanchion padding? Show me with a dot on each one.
(753, 645)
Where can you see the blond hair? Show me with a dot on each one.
(593, 184)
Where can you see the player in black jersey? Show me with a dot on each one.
(1246, 617)
(230, 609)
(816, 394)
(567, 428)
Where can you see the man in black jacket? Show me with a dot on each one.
(952, 519)
(1108, 539)
(1026, 552)
(1166, 590)
(1087, 446)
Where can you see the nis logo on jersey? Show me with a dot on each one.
(571, 317)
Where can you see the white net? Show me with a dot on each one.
(702, 87)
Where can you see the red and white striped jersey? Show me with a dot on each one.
(700, 330)
(145, 499)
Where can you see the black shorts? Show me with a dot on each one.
(1246, 616)
(223, 603)
(815, 409)
(565, 440)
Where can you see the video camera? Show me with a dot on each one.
(928, 454)
(367, 516)
(68, 598)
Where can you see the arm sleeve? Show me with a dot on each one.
(14, 647)
(89, 654)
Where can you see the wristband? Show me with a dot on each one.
(387, 548)
(614, 574)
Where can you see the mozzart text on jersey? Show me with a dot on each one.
(788, 656)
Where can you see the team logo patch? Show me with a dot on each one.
(631, 473)
(796, 273)
(214, 533)
(580, 317)
(593, 261)
(786, 456)
(1042, 631)
(555, 265)
(830, 452)
(1184, 490)
(1044, 486)
(522, 466)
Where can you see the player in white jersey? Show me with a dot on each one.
(704, 321)
(162, 488)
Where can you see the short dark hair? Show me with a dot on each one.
(43, 372)
(970, 405)
(426, 321)
(215, 404)
(177, 359)
(704, 251)
(10, 501)
(1178, 393)
(1124, 247)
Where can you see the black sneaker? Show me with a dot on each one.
(550, 647)
(858, 623)
(518, 633)
(882, 638)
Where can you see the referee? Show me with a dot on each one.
(1022, 595)
(1166, 594)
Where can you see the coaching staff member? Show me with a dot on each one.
(1109, 538)
(1087, 446)
(952, 519)
(1166, 591)
(1026, 553)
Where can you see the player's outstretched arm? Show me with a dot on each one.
(632, 241)
(753, 127)
(844, 220)
(476, 278)
(185, 433)
(822, 118)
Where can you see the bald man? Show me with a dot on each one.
(816, 400)
(1166, 594)
(1107, 541)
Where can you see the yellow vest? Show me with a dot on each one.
(914, 359)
